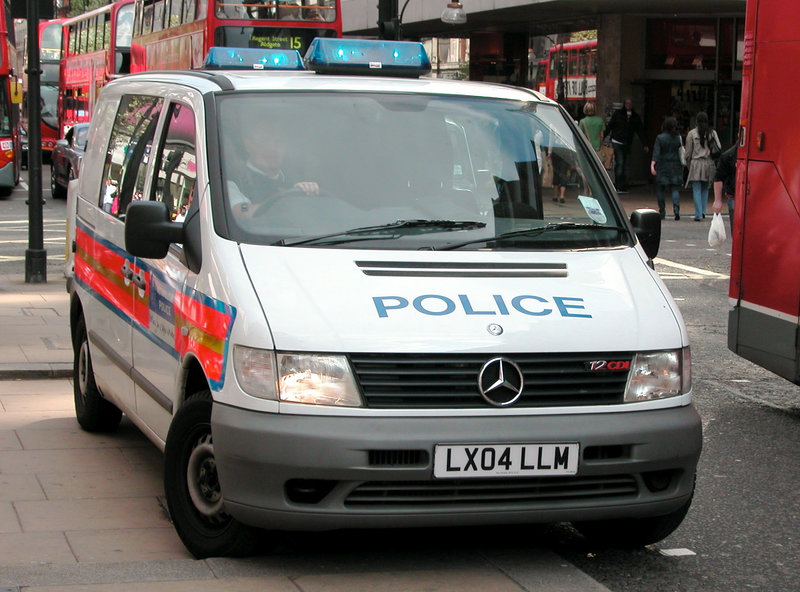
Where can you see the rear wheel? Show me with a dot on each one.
(93, 412)
(192, 488)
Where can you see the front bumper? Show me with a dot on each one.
(317, 473)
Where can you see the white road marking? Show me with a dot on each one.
(677, 552)
(691, 272)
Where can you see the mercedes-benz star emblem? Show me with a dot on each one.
(500, 382)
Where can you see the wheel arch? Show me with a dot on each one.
(75, 312)
(193, 379)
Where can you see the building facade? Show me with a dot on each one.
(672, 57)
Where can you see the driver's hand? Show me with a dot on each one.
(308, 187)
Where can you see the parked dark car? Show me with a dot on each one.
(66, 159)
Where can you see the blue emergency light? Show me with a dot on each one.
(328, 55)
(244, 58)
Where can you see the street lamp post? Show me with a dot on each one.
(35, 254)
(390, 24)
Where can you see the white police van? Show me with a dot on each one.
(339, 294)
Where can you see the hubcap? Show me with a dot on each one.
(83, 369)
(203, 481)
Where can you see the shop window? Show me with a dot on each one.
(681, 44)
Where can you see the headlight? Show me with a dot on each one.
(317, 380)
(296, 378)
(659, 375)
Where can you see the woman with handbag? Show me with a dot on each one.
(701, 144)
(666, 166)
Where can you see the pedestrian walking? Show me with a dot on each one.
(700, 142)
(624, 124)
(666, 166)
(592, 126)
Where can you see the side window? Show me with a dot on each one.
(128, 151)
(177, 163)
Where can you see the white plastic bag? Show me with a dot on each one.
(716, 234)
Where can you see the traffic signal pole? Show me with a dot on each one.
(35, 254)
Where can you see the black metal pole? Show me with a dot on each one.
(35, 255)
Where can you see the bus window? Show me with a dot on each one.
(158, 16)
(124, 26)
(291, 10)
(51, 39)
(147, 20)
(574, 66)
(174, 11)
(188, 10)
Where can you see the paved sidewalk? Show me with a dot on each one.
(34, 328)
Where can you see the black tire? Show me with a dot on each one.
(56, 190)
(632, 532)
(192, 489)
(94, 413)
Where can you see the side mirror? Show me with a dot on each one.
(149, 231)
(62, 142)
(647, 226)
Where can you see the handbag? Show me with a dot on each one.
(714, 147)
(682, 153)
(716, 233)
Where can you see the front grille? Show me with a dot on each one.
(419, 381)
(488, 492)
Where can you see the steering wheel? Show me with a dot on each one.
(263, 208)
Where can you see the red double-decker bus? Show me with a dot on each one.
(50, 33)
(10, 96)
(177, 34)
(573, 68)
(96, 48)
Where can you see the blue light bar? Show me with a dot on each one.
(244, 58)
(328, 55)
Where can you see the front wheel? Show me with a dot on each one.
(633, 532)
(56, 190)
(192, 488)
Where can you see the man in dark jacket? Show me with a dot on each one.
(623, 125)
(725, 180)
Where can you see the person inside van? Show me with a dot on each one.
(263, 178)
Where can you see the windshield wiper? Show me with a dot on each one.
(355, 234)
(532, 232)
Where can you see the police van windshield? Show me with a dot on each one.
(403, 171)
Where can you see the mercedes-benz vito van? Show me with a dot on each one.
(343, 295)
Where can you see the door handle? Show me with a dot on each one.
(127, 271)
(139, 281)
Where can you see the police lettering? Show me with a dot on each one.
(526, 304)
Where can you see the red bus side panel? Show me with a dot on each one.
(765, 267)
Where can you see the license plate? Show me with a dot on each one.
(505, 460)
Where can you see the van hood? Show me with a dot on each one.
(333, 300)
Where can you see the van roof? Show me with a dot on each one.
(243, 80)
